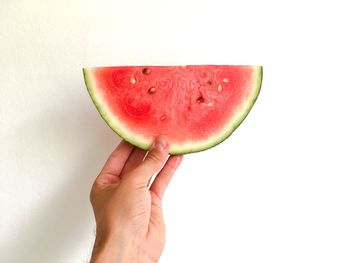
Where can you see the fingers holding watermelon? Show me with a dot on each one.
(115, 163)
(134, 160)
(163, 178)
(155, 159)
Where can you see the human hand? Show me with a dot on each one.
(128, 213)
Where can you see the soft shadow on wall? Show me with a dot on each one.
(57, 227)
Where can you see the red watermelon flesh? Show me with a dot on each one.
(196, 107)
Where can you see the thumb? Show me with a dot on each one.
(154, 160)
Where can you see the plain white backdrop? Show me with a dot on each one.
(276, 191)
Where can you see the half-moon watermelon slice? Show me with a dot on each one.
(196, 107)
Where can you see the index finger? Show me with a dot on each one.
(116, 161)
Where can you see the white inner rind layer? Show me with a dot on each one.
(185, 147)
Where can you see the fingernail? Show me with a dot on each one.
(160, 143)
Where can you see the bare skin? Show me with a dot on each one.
(128, 212)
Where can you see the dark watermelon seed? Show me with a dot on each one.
(151, 90)
(200, 99)
(146, 71)
(210, 83)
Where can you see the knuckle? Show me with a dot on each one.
(155, 157)
(93, 194)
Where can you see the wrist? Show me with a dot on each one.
(118, 251)
(105, 256)
(111, 250)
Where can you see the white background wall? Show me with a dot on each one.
(276, 191)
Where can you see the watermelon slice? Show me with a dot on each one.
(196, 107)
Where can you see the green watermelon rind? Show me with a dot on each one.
(184, 148)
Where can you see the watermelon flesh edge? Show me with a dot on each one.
(210, 120)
